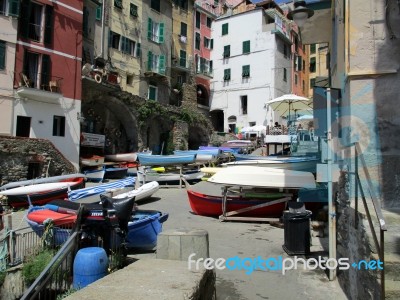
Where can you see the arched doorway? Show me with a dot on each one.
(217, 120)
(202, 95)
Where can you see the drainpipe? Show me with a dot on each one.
(102, 31)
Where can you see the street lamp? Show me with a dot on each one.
(301, 13)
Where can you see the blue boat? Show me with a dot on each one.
(115, 173)
(96, 175)
(215, 152)
(166, 160)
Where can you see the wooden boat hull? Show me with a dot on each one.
(115, 173)
(208, 205)
(44, 196)
(165, 160)
(122, 157)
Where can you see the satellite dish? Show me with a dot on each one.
(86, 69)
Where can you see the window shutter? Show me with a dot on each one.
(99, 12)
(225, 29)
(149, 60)
(55, 123)
(162, 64)
(133, 10)
(62, 126)
(161, 33)
(45, 69)
(212, 44)
(227, 51)
(24, 20)
(123, 44)
(182, 58)
(48, 29)
(138, 50)
(13, 8)
(246, 46)
(149, 29)
(2, 55)
(299, 61)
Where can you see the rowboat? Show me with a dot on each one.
(202, 157)
(206, 199)
(41, 193)
(170, 178)
(96, 175)
(165, 160)
(303, 163)
(102, 188)
(215, 152)
(263, 177)
(122, 157)
(115, 173)
(92, 161)
(41, 180)
(141, 193)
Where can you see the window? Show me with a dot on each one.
(212, 44)
(155, 63)
(197, 41)
(207, 43)
(243, 104)
(118, 4)
(36, 22)
(198, 15)
(208, 22)
(129, 79)
(9, 7)
(183, 29)
(2, 55)
(312, 64)
(295, 79)
(297, 63)
(23, 126)
(225, 29)
(37, 69)
(304, 85)
(182, 59)
(99, 12)
(58, 126)
(85, 20)
(312, 83)
(155, 4)
(312, 48)
(114, 39)
(304, 66)
(155, 31)
(227, 74)
(285, 51)
(128, 46)
(284, 74)
(183, 4)
(246, 47)
(203, 65)
(179, 79)
(227, 51)
(152, 93)
(246, 71)
(133, 10)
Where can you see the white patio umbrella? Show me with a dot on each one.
(287, 104)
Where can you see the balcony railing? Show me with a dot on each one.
(39, 81)
(204, 69)
(154, 69)
(182, 63)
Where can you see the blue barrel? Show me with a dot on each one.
(90, 264)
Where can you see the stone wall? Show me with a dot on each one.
(17, 152)
(353, 242)
(180, 135)
(13, 286)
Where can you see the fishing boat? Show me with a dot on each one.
(39, 194)
(122, 157)
(92, 161)
(115, 173)
(58, 178)
(143, 192)
(300, 163)
(206, 199)
(166, 160)
(96, 175)
(102, 188)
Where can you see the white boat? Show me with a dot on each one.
(37, 188)
(122, 157)
(40, 180)
(143, 192)
(307, 164)
(95, 175)
(169, 178)
(263, 177)
(92, 161)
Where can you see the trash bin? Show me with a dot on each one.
(296, 226)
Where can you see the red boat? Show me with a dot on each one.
(43, 197)
(205, 199)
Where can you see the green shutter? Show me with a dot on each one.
(24, 20)
(149, 60)
(246, 71)
(123, 44)
(197, 19)
(227, 74)
(246, 47)
(133, 10)
(212, 44)
(161, 33)
(2, 55)
(225, 29)
(152, 93)
(45, 76)
(299, 61)
(99, 12)
(13, 8)
(227, 51)
(182, 58)
(149, 29)
(161, 65)
(48, 29)
(138, 50)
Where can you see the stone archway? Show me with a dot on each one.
(203, 95)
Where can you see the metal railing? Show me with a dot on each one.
(39, 81)
(380, 245)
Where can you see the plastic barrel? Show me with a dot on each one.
(90, 264)
(297, 232)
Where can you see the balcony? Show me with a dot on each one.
(209, 7)
(40, 87)
(154, 70)
(181, 64)
(281, 26)
(204, 71)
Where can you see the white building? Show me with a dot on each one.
(251, 65)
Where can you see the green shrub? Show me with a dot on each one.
(35, 265)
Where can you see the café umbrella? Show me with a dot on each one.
(288, 104)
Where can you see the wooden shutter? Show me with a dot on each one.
(161, 65)
(2, 55)
(212, 44)
(138, 50)
(48, 27)
(225, 29)
(149, 61)
(13, 8)
(99, 12)
(246, 46)
(24, 20)
(149, 29)
(161, 33)
(46, 69)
